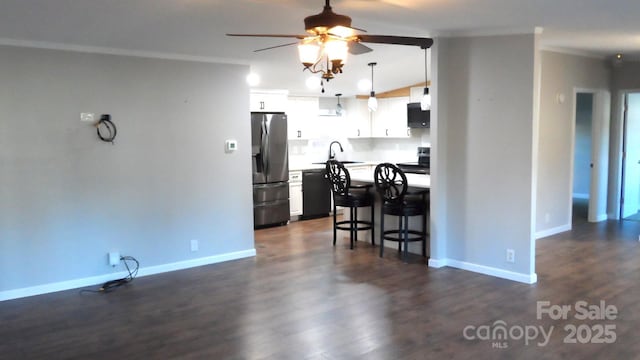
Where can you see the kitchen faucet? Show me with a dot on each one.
(333, 155)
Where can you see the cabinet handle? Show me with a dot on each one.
(358, 132)
(409, 132)
(299, 134)
(261, 105)
(386, 132)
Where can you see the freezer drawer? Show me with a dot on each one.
(271, 213)
(270, 192)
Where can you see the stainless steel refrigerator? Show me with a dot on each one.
(270, 161)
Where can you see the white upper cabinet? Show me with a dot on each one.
(302, 115)
(390, 120)
(358, 120)
(268, 101)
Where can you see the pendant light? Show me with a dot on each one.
(339, 106)
(372, 104)
(425, 103)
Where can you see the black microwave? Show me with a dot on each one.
(416, 117)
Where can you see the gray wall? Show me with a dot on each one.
(561, 73)
(483, 146)
(624, 78)
(582, 153)
(66, 198)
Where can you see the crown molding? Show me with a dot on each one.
(120, 52)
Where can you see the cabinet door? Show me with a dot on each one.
(397, 121)
(380, 119)
(295, 198)
(275, 101)
(358, 118)
(391, 118)
(302, 113)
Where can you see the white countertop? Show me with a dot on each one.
(414, 180)
(308, 166)
(366, 175)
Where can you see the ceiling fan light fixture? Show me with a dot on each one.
(342, 32)
(308, 53)
(327, 19)
(336, 50)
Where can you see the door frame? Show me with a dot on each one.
(623, 145)
(597, 94)
(617, 153)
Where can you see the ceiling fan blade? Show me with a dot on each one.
(275, 47)
(397, 40)
(271, 35)
(357, 48)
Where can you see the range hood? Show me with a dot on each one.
(329, 112)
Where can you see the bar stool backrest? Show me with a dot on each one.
(390, 182)
(339, 177)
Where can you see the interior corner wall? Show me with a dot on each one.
(66, 198)
(561, 73)
(625, 77)
(485, 131)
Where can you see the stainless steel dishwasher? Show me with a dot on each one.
(316, 194)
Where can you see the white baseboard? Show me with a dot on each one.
(580, 196)
(491, 271)
(601, 217)
(144, 271)
(553, 231)
(437, 263)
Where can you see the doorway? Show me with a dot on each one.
(630, 194)
(582, 156)
(590, 157)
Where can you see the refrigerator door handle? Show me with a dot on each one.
(266, 124)
(257, 158)
(263, 148)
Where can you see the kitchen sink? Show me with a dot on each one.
(344, 162)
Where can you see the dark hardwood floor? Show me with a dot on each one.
(301, 298)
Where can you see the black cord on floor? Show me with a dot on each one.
(113, 284)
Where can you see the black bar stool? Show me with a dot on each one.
(391, 184)
(348, 195)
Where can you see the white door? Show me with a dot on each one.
(599, 157)
(631, 157)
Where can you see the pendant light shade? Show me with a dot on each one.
(372, 104)
(425, 103)
(338, 106)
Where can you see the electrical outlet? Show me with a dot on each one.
(194, 245)
(511, 255)
(114, 258)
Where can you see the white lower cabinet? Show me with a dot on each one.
(295, 193)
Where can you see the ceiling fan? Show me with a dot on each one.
(330, 37)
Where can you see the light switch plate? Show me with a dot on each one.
(230, 145)
(87, 117)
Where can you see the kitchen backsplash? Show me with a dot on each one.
(369, 149)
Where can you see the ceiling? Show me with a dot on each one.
(196, 28)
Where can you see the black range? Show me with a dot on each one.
(414, 168)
